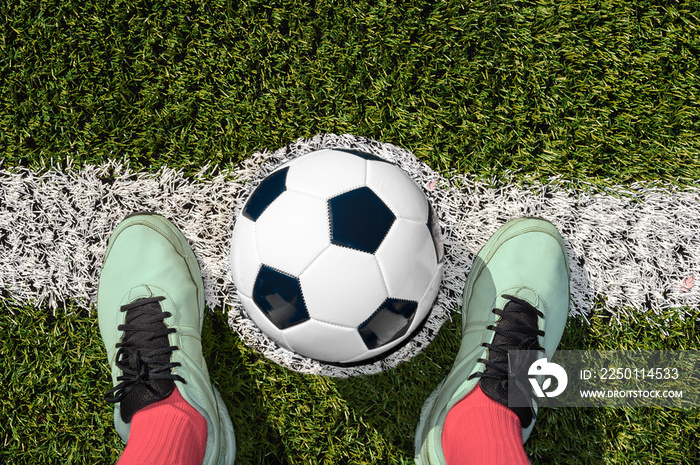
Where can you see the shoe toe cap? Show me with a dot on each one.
(145, 259)
(531, 264)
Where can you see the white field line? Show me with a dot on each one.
(634, 249)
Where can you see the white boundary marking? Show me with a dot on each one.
(633, 248)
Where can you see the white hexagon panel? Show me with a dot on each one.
(398, 191)
(292, 231)
(326, 172)
(327, 341)
(343, 287)
(244, 256)
(407, 259)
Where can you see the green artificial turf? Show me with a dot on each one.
(55, 374)
(598, 91)
(590, 89)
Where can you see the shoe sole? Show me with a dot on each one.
(500, 237)
(183, 248)
(229, 436)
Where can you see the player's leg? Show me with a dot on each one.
(516, 297)
(151, 308)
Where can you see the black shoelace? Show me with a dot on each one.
(516, 330)
(144, 353)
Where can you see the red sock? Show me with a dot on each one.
(168, 432)
(479, 430)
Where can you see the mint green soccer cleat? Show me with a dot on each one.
(150, 304)
(516, 297)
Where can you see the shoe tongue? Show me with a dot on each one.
(497, 389)
(148, 391)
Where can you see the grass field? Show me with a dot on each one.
(606, 92)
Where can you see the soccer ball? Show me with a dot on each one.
(337, 256)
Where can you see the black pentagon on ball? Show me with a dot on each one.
(365, 155)
(278, 296)
(267, 191)
(359, 220)
(388, 323)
